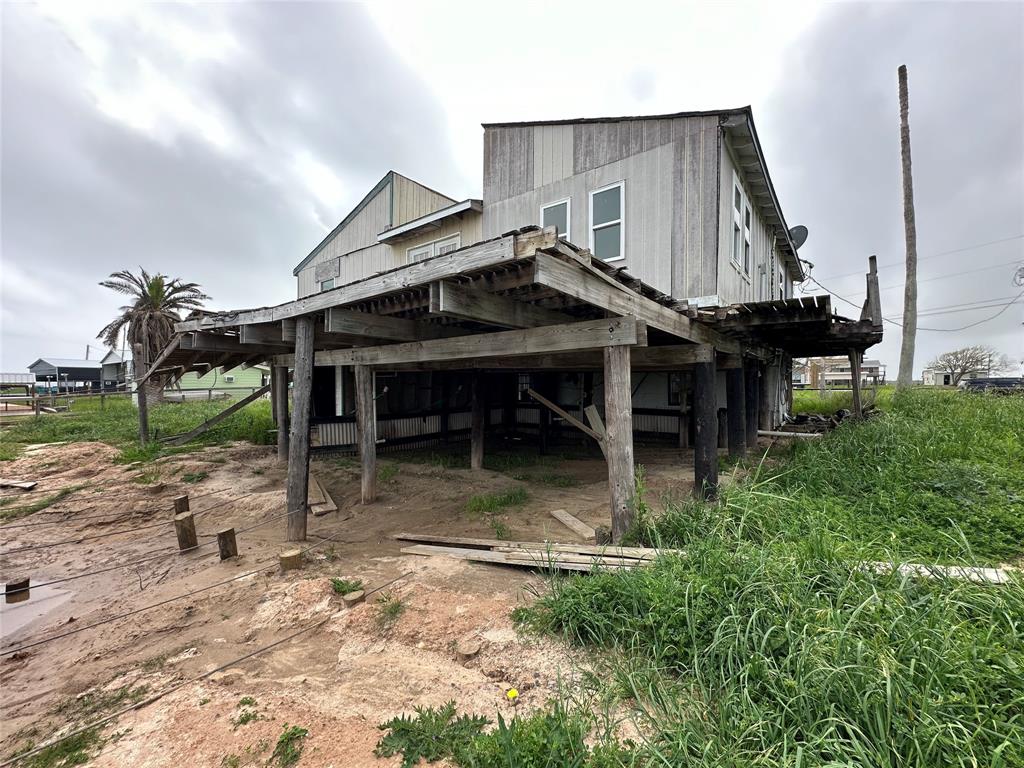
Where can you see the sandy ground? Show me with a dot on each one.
(340, 680)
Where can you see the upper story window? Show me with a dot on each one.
(741, 219)
(607, 222)
(556, 215)
(435, 248)
(326, 285)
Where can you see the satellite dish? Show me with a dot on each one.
(798, 235)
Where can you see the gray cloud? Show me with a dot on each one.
(85, 194)
(832, 127)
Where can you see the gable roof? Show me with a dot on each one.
(387, 179)
(738, 122)
(65, 362)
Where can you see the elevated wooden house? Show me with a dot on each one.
(629, 275)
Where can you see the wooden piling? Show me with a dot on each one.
(736, 412)
(476, 451)
(279, 394)
(17, 590)
(227, 544)
(858, 410)
(366, 426)
(185, 529)
(705, 438)
(140, 393)
(618, 438)
(751, 383)
(290, 560)
(298, 449)
(181, 504)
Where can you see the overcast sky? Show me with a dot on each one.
(219, 143)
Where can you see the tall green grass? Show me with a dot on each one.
(116, 423)
(770, 641)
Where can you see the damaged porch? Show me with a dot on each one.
(477, 320)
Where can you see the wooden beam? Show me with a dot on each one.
(172, 346)
(736, 412)
(589, 334)
(478, 416)
(583, 284)
(594, 419)
(565, 415)
(366, 426)
(298, 449)
(279, 374)
(267, 334)
(452, 300)
(502, 250)
(218, 342)
(212, 422)
(618, 409)
(356, 324)
(705, 434)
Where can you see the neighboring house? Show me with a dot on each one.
(835, 373)
(64, 373)
(941, 377)
(240, 377)
(115, 369)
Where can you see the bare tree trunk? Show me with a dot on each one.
(906, 373)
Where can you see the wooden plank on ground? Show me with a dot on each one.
(506, 558)
(774, 433)
(25, 485)
(638, 553)
(575, 524)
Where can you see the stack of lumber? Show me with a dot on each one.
(319, 500)
(530, 554)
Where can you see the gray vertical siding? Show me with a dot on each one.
(508, 162)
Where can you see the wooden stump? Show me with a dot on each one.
(181, 504)
(467, 648)
(16, 591)
(291, 559)
(185, 528)
(352, 599)
(227, 544)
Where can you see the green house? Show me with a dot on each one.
(250, 378)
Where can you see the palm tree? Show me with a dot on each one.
(150, 317)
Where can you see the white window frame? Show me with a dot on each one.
(621, 221)
(742, 258)
(568, 215)
(229, 378)
(434, 246)
(324, 284)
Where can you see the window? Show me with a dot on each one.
(740, 227)
(229, 379)
(326, 285)
(556, 215)
(607, 231)
(435, 248)
(522, 384)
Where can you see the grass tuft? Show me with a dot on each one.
(489, 503)
(344, 586)
(289, 746)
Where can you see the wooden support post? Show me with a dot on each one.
(140, 390)
(764, 416)
(273, 397)
(858, 410)
(181, 504)
(366, 425)
(227, 544)
(445, 403)
(298, 449)
(705, 454)
(476, 450)
(16, 590)
(736, 411)
(751, 385)
(618, 414)
(185, 529)
(279, 375)
(511, 404)
(543, 415)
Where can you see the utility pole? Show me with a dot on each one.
(906, 373)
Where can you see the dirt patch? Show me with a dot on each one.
(361, 667)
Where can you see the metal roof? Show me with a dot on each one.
(66, 362)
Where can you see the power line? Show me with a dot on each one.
(937, 277)
(937, 330)
(932, 256)
(76, 630)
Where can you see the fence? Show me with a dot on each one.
(48, 402)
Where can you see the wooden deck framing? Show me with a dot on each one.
(523, 301)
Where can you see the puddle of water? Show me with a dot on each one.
(41, 600)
